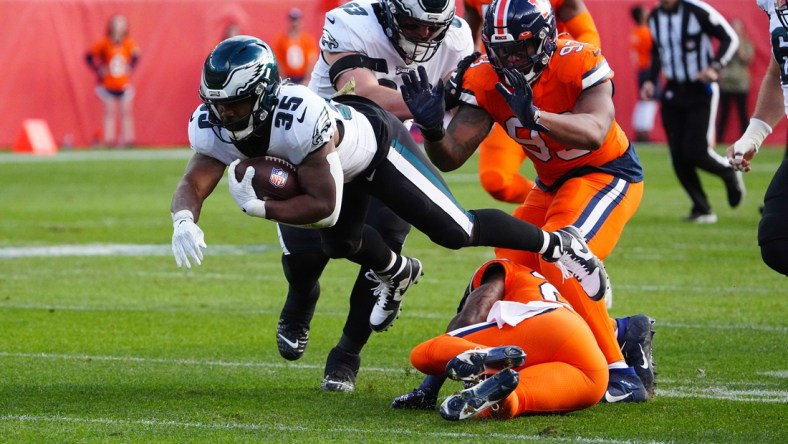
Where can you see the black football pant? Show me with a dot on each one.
(303, 262)
(773, 228)
(688, 121)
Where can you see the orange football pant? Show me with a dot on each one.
(500, 158)
(600, 205)
(564, 369)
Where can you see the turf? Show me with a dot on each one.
(105, 340)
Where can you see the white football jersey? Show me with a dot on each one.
(779, 38)
(301, 123)
(354, 27)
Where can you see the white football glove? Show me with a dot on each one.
(743, 150)
(243, 193)
(188, 239)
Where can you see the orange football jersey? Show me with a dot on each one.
(574, 67)
(116, 59)
(521, 283)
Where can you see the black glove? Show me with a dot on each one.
(454, 86)
(522, 101)
(424, 102)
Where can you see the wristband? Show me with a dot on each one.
(755, 133)
(255, 207)
(181, 215)
(432, 134)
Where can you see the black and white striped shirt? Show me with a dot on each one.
(682, 40)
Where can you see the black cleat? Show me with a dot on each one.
(291, 340)
(477, 399)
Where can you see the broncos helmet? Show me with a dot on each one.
(417, 27)
(240, 68)
(520, 35)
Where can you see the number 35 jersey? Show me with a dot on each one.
(301, 123)
(574, 68)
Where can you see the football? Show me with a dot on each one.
(274, 178)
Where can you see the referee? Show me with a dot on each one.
(682, 31)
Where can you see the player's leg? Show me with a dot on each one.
(564, 370)
(411, 186)
(391, 274)
(600, 205)
(771, 230)
(340, 373)
(303, 262)
(500, 158)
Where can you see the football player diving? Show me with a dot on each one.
(347, 150)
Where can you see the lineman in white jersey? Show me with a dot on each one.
(769, 110)
(365, 47)
(346, 151)
(356, 44)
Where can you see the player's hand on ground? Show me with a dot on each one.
(188, 239)
(521, 101)
(426, 103)
(243, 192)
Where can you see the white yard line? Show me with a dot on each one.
(687, 388)
(287, 428)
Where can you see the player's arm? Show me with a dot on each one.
(201, 176)
(480, 301)
(199, 180)
(366, 83)
(769, 110)
(465, 132)
(321, 180)
(471, 15)
(578, 21)
(447, 148)
(589, 122)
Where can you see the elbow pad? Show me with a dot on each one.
(335, 167)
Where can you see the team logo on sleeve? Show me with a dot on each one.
(328, 41)
(322, 132)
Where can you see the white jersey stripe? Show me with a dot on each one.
(428, 188)
(602, 208)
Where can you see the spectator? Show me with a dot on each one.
(691, 70)
(296, 50)
(640, 45)
(735, 81)
(113, 58)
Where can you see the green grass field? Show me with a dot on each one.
(103, 339)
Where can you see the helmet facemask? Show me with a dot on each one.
(240, 73)
(417, 30)
(781, 9)
(521, 38)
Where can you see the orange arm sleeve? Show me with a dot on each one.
(583, 29)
